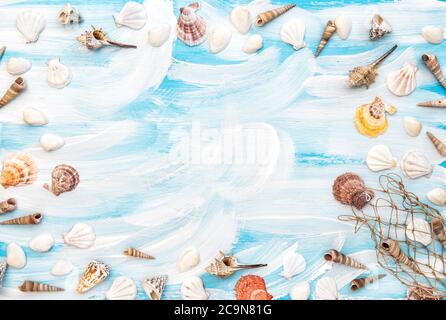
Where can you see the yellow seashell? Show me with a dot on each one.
(18, 169)
(370, 119)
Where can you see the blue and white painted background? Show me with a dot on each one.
(129, 115)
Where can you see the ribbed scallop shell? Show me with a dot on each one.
(219, 38)
(81, 236)
(414, 165)
(412, 126)
(122, 288)
(193, 289)
(293, 264)
(293, 32)
(402, 82)
(437, 196)
(30, 23)
(95, 273)
(18, 169)
(241, 19)
(326, 289)
(191, 28)
(380, 158)
(132, 15)
(64, 178)
(58, 75)
(17, 66)
(419, 230)
(370, 119)
(349, 189)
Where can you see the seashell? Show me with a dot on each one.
(365, 75)
(438, 229)
(34, 117)
(293, 32)
(132, 15)
(34, 218)
(187, 259)
(81, 235)
(159, 34)
(326, 289)
(300, 291)
(431, 62)
(362, 282)
(18, 169)
(337, 257)
(329, 30)
(69, 15)
(380, 158)
(96, 39)
(13, 91)
(33, 286)
(193, 289)
(253, 44)
(418, 292)
(439, 103)
(17, 66)
(15, 256)
(51, 142)
(370, 119)
(349, 189)
(402, 82)
(94, 274)
(3, 267)
(412, 126)
(415, 165)
(343, 25)
(241, 19)
(132, 252)
(380, 27)
(42, 243)
(251, 287)
(437, 196)
(392, 248)
(122, 288)
(219, 38)
(191, 28)
(293, 264)
(64, 178)
(419, 230)
(224, 266)
(2, 51)
(440, 146)
(62, 268)
(30, 23)
(8, 205)
(268, 16)
(154, 286)
(432, 34)
(58, 75)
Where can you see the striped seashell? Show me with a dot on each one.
(132, 252)
(362, 282)
(95, 273)
(329, 30)
(191, 28)
(33, 286)
(438, 229)
(154, 286)
(63, 179)
(439, 103)
(223, 266)
(13, 91)
(439, 145)
(393, 249)
(349, 189)
(18, 169)
(3, 267)
(431, 62)
(268, 16)
(337, 257)
(379, 27)
(8, 205)
(34, 218)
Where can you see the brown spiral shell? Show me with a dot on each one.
(13, 91)
(431, 62)
(63, 179)
(34, 218)
(393, 249)
(438, 144)
(132, 252)
(329, 30)
(337, 257)
(33, 286)
(268, 16)
(438, 229)
(362, 282)
(349, 189)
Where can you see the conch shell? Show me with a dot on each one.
(34, 218)
(132, 252)
(14, 90)
(8, 205)
(362, 282)
(337, 257)
(329, 30)
(268, 16)
(96, 39)
(438, 144)
(33, 286)
(223, 266)
(393, 249)
(431, 62)
(439, 103)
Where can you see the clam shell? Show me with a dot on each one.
(300, 291)
(437, 196)
(132, 15)
(402, 82)
(241, 19)
(81, 235)
(123, 288)
(188, 259)
(219, 38)
(95, 273)
(433, 34)
(30, 23)
(419, 230)
(293, 33)
(380, 158)
(154, 286)
(193, 289)
(17, 66)
(343, 25)
(51, 142)
(293, 264)
(58, 75)
(69, 15)
(64, 178)
(326, 289)
(159, 34)
(42, 242)
(15, 256)
(34, 117)
(412, 126)
(415, 165)
(253, 44)
(18, 169)
(62, 268)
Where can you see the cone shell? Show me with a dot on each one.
(8, 205)
(438, 144)
(34, 218)
(418, 292)
(132, 252)
(349, 189)
(362, 282)
(191, 28)
(393, 249)
(18, 169)
(431, 62)
(154, 286)
(94, 274)
(63, 179)
(379, 28)
(330, 28)
(251, 287)
(438, 229)
(3, 267)
(14, 90)
(33, 286)
(268, 16)
(370, 119)
(439, 103)
(337, 257)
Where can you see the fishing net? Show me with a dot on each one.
(398, 217)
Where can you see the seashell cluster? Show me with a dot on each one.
(438, 144)
(300, 291)
(51, 142)
(30, 23)
(191, 28)
(8, 205)
(123, 288)
(219, 38)
(380, 158)
(58, 75)
(188, 259)
(34, 218)
(343, 25)
(193, 289)
(17, 66)
(419, 230)
(13, 91)
(42, 242)
(349, 189)
(15, 256)
(95, 273)
(379, 27)
(329, 30)
(154, 286)
(253, 44)
(81, 235)
(370, 119)
(337, 257)
(392, 248)
(64, 178)
(437, 196)
(251, 287)
(402, 82)
(69, 15)
(132, 252)
(223, 266)
(431, 62)
(241, 19)
(33, 286)
(432, 34)
(61, 268)
(326, 289)
(133, 15)
(18, 169)
(268, 16)
(293, 33)
(362, 282)
(412, 126)
(415, 165)
(159, 34)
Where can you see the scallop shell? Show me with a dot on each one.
(437, 196)
(18, 169)
(380, 158)
(62, 268)
(419, 230)
(17, 66)
(8, 205)
(379, 28)
(253, 44)
(300, 291)
(188, 259)
(415, 165)
(159, 34)
(34, 286)
(343, 25)
(51, 142)
(412, 126)
(69, 15)
(3, 267)
(251, 287)
(15, 256)
(293, 33)
(30, 23)
(219, 38)
(132, 15)
(154, 286)
(349, 189)
(58, 75)
(432, 34)
(34, 117)
(95, 273)
(293, 264)
(191, 28)
(241, 19)
(64, 178)
(370, 119)
(326, 289)
(193, 289)
(81, 235)
(122, 288)
(42, 243)
(402, 82)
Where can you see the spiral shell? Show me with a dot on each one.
(379, 27)
(268, 16)
(329, 30)
(95, 273)
(438, 144)
(362, 282)
(438, 103)
(191, 28)
(33, 286)
(34, 218)
(13, 91)
(154, 286)
(431, 62)
(8, 205)
(223, 266)
(251, 287)
(392, 248)
(337, 257)
(438, 229)
(69, 15)
(132, 252)
(349, 189)
(64, 178)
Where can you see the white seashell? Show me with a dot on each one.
(30, 23)
(219, 38)
(34, 117)
(241, 19)
(293, 32)
(380, 158)
(69, 15)
(433, 34)
(326, 289)
(159, 34)
(253, 44)
(42, 243)
(51, 142)
(17, 66)
(437, 196)
(122, 288)
(188, 258)
(132, 15)
(415, 165)
(15, 256)
(293, 263)
(300, 291)
(343, 25)
(81, 236)
(58, 75)
(193, 289)
(412, 126)
(62, 268)
(402, 82)
(419, 230)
